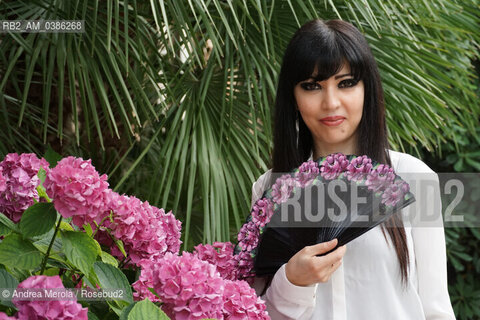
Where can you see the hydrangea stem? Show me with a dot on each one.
(44, 262)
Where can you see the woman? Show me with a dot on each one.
(330, 99)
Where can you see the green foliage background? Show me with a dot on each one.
(172, 99)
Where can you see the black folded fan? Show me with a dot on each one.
(343, 207)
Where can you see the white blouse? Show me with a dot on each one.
(368, 284)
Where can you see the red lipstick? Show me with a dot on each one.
(332, 120)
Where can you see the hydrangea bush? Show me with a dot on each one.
(62, 227)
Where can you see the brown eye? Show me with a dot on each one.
(308, 86)
(348, 83)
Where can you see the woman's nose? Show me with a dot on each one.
(330, 99)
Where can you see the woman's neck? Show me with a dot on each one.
(322, 150)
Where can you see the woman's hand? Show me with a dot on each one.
(305, 268)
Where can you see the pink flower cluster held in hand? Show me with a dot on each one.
(306, 173)
(48, 310)
(333, 166)
(20, 182)
(188, 287)
(241, 302)
(77, 190)
(282, 189)
(220, 254)
(147, 232)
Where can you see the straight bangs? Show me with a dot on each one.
(320, 56)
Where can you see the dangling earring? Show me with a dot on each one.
(297, 126)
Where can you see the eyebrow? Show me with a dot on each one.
(342, 75)
(336, 77)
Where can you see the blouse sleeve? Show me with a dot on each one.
(429, 245)
(284, 300)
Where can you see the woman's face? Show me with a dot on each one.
(332, 110)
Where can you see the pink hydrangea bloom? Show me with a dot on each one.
(333, 166)
(241, 302)
(145, 281)
(359, 168)
(262, 211)
(306, 173)
(220, 254)
(20, 183)
(188, 287)
(77, 190)
(3, 181)
(395, 192)
(146, 231)
(48, 310)
(380, 177)
(172, 228)
(283, 188)
(3, 316)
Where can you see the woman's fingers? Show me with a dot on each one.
(320, 248)
(306, 267)
(333, 256)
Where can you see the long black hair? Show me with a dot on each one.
(323, 48)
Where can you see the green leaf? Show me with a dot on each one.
(462, 255)
(99, 248)
(92, 316)
(108, 258)
(19, 253)
(120, 247)
(126, 311)
(111, 277)
(117, 306)
(4, 220)
(80, 250)
(66, 226)
(153, 292)
(52, 157)
(43, 242)
(42, 193)
(7, 281)
(51, 272)
(42, 175)
(146, 310)
(4, 229)
(88, 229)
(38, 219)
